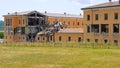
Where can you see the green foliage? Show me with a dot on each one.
(1, 35)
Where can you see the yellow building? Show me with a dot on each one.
(102, 23)
(26, 26)
(69, 35)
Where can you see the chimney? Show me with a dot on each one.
(45, 12)
(8, 13)
(110, 0)
(80, 14)
(65, 13)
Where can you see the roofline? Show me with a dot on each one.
(100, 7)
(70, 33)
(66, 17)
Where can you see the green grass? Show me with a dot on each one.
(41, 55)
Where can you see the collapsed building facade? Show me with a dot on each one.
(32, 26)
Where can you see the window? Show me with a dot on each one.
(116, 16)
(38, 38)
(60, 38)
(105, 41)
(115, 28)
(68, 23)
(95, 28)
(88, 40)
(51, 38)
(104, 28)
(116, 42)
(79, 39)
(69, 39)
(19, 22)
(78, 23)
(23, 21)
(43, 38)
(96, 17)
(105, 16)
(88, 17)
(88, 29)
(96, 40)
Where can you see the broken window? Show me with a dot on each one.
(95, 28)
(115, 28)
(105, 28)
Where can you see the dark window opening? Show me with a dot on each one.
(116, 16)
(69, 39)
(105, 41)
(38, 38)
(60, 38)
(115, 28)
(88, 29)
(96, 17)
(106, 16)
(95, 28)
(105, 28)
(96, 40)
(43, 38)
(88, 17)
(88, 40)
(51, 38)
(116, 42)
(78, 23)
(79, 39)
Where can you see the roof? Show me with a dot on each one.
(63, 15)
(20, 13)
(103, 5)
(71, 30)
(47, 14)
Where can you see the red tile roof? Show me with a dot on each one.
(103, 5)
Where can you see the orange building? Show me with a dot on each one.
(25, 26)
(102, 23)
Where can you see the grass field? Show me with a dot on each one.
(58, 57)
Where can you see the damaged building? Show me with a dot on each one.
(33, 26)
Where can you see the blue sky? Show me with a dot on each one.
(51, 6)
